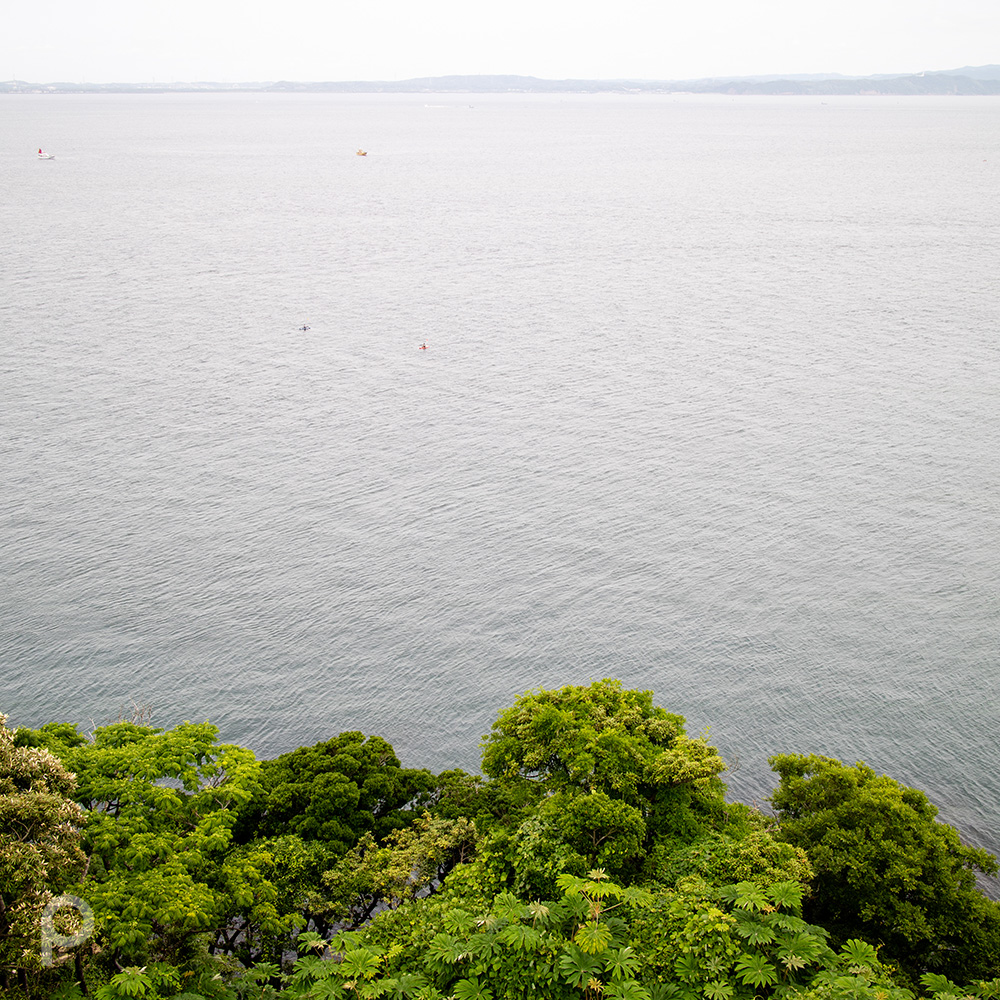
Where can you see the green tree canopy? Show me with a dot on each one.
(886, 869)
(618, 772)
(335, 792)
(598, 738)
(160, 806)
(40, 855)
(268, 888)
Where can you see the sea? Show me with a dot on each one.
(710, 404)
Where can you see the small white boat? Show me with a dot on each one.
(46, 156)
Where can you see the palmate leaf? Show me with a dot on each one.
(756, 934)
(935, 983)
(716, 965)
(343, 941)
(521, 936)
(718, 990)
(507, 906)
(429, 993)
(622, 963)
(755, 970)
(330, 989)
(728, 893)
(262, 970)
(786, 895)
(132, 982)
(572, 885)
(752, 897)
(861, 955)
(626, 989)
(687, 967)
(577, 967)
(786, 922)
(310, 940)
(636, 896)
(670, 991)
(800, 950)
(361, 963)
(593, 937)
(311, 968)
(792, 961)
(458, 921)
(446, 948)
(406, 985)
(600, 890)
(472, 989)
(67, 991)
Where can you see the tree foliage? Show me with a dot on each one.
(334, 792)
(596, 860)
(40, 854)
(617, 774)
(159, 808)
(886, 869)
(598, 738)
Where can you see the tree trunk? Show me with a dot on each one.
(78, 964)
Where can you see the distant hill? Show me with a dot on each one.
(973, 72)
(969, 80)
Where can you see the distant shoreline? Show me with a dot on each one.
(967, 82)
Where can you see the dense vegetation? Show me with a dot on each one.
(595, 858)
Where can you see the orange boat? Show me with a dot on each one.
(362, 152)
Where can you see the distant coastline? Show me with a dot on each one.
(967, 81)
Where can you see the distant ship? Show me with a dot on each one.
(46, 156)
(361, 152)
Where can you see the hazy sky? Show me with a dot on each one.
(245, 40)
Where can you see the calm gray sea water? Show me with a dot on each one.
(711, 404)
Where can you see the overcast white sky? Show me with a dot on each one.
(258, 40)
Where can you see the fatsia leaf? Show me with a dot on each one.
(361, 963)
(786, 895)
(755, 970)
(507, 906)
(446, 948)
(405, 985)
(622, 963)
(686, 967)
(472, 989)
(626, 989)
(800, 950)
(457, 921)
(572, 885)
(718, 990)
(521, 936)
(757, 934)
(593, 937)
(862, 955)
(577, 967)
(752, 897)
(330, 989)
(933, 982)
